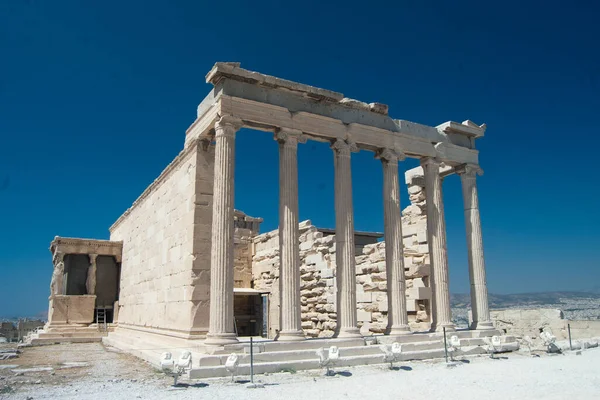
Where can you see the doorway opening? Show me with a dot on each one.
(248, 312)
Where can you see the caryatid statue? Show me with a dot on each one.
(56, 285)
(90, 282)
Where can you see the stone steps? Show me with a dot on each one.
(90, 328)
(272, 356)
(68, 334)
(310, 352)
(310, 363)
(46, 341)
(149, 347)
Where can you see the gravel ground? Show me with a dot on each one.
(91, 371)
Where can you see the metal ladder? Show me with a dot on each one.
(101, 319)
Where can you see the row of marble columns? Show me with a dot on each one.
(221, 329)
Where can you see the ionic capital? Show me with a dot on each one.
(390, 155)
(344, 147)
(430, 161)
(227, 125)
(469, 170)
(289, 136)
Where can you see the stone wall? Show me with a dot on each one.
(71, 310)
(165, 271)
(318, 284)
(246, 228)
(531, 322)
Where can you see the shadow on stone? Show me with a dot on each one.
(343, 373)
(242, 381)
(465, 361)
(191, 385)
(402, 368)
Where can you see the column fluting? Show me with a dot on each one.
(344, 241)
(289, 235)
(221, 325)
(479, 293)
(438, 253)
(394, 251)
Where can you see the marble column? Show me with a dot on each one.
(344, 241)
(394, 252)
(479, 293)
(289, 235)
(221, 328)
(90, 283)
(436, 236)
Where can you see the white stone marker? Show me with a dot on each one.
(436, 237)
(344, 241)
(394, 254)
(479, 293)
(289, 251)
(221, 330)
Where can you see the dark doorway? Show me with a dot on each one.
(107, 281)
(247, 310)
(107, 287)
(76, 270)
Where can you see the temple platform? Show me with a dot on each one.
(68, 334)
(273, 356)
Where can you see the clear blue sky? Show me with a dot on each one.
(95, 98)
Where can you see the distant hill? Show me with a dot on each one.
(42, 315)
(524, 299)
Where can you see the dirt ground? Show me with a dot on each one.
(62, 365)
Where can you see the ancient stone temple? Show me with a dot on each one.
(195, 273)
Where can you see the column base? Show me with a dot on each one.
(400, 330)
(289, 336)
(349, 333)
(482, 325)
(221, 339)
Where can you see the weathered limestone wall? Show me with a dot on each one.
(531, 322)
(246, 228)
(317, 268)
(165, 271)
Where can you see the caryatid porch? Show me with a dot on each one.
(295, 113)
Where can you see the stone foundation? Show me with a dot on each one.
(65, 310)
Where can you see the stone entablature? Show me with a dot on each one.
(65, 245)
(268, 103)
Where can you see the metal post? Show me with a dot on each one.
(445, 345)
(251, 360)
(570, 344)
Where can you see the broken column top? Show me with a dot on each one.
(232, 70)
